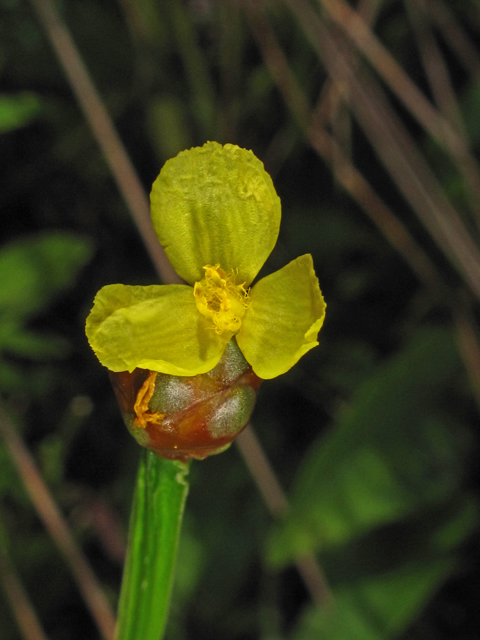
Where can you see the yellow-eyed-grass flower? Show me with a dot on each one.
(173, 350)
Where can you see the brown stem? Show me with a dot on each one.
(399, 82)
(57, 527)
(277, 504)
(329, 149)
(394, 145)
(439, 79)
(105, 133)
(456, 37)
(20, 604)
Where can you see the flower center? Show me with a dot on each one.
(219, 298)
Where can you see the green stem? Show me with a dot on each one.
(155, 524)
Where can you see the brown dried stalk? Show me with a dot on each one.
(22, 608)
(399, 82)
(105, 133)
(329, 149)
(442, 89)
(456, 37)
(277, 504)
(57, 527)
(394, 145)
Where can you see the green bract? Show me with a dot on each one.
(216, 213)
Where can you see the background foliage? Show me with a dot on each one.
(375, 433)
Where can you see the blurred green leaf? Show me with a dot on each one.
(390, 454)
(377, 607)
(259, 85)
(15, 339)
(168, 124)
(197, 72)
(10, 377)
(191, 560)
(9, 483)
(35, 269)
(52, 456)
(190, 564)
(18, 110)
(148, 23)
(382, 582)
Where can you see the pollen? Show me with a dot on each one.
(142, 412)
(218, 297)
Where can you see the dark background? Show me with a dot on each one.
(374, 434)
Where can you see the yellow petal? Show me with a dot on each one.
(156, 328)
(216, 205)
(285, 315)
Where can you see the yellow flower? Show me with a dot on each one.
(217, 215)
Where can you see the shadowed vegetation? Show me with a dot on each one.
(366, 116)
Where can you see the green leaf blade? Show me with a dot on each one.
(390, 456)
(18, 110)
(377, 607)
(36, 268)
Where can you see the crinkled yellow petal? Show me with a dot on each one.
(285, 315)
(156, 327)
(215, 205)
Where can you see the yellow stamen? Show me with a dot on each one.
(219, 298)
(143, 413)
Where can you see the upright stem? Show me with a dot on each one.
(155, 525)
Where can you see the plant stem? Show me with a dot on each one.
(155, 524)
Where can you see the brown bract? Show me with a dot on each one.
(183, 417)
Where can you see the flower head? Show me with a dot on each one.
(217, 215)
